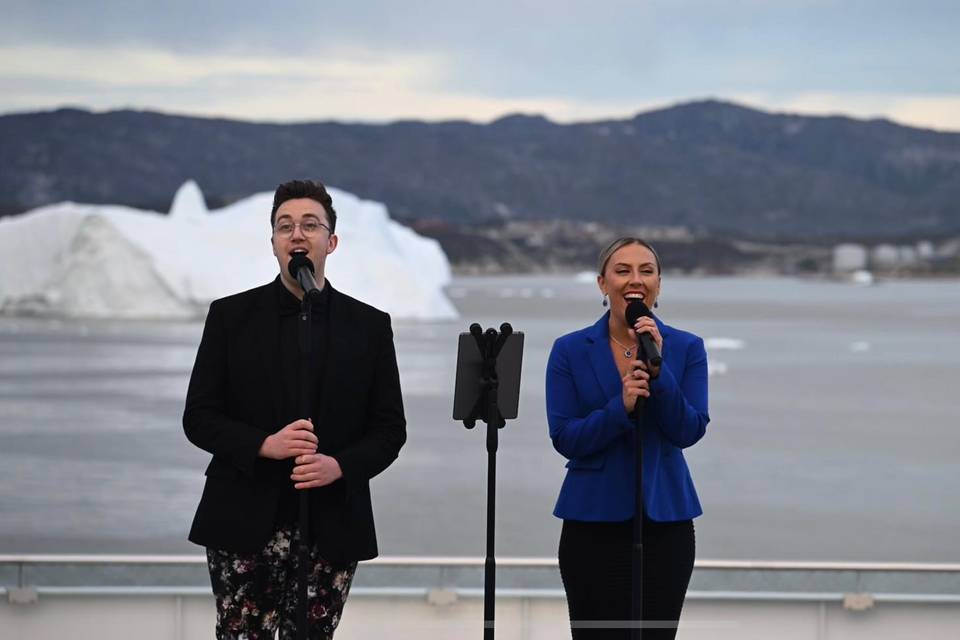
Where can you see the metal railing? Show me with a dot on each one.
(452, 577)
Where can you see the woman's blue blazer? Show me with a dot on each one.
(590, 427)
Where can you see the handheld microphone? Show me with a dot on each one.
(301, 268)
(648, 348)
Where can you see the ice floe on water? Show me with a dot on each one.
(716, 368)
(717, 344)
(109, 261)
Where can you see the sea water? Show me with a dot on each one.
(834, 430)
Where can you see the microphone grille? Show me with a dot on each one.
(636, 309)
(297, 262)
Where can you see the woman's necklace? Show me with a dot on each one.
(627, 351)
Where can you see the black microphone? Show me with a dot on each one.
(648, 348)
(301, 268)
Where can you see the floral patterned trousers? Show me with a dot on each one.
(257, 592)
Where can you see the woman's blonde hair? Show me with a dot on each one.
(619, 243)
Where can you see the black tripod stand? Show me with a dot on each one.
(496, 389)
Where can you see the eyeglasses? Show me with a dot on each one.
(309, 228)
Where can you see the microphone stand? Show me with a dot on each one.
(303, 404)
(636, 559)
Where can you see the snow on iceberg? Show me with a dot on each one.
(78, 260)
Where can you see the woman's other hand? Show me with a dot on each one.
(636, 384)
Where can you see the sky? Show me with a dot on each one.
(383, 60)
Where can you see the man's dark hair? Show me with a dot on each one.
(304, 189)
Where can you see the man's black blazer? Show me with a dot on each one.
(234, 402)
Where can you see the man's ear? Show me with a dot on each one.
(332, 244)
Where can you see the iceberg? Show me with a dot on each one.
(109, 261)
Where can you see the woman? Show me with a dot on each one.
(594, 379)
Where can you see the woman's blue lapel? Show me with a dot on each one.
(601, 358)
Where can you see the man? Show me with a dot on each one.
(242, 407)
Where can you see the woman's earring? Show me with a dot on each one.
(604, 300)
(656, 303)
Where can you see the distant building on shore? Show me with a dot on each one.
(849, 257)
(920, 257)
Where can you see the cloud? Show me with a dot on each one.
(936, 112)
(918, 110)
(140, 67)
(364, 84)
(356, 85)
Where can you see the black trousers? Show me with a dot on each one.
(595, 568)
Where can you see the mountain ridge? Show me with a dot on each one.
(711, 166)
